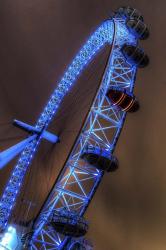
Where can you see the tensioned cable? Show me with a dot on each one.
(94, 69)
(87, 105)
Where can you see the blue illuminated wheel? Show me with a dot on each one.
(80, 177)
(92, 153)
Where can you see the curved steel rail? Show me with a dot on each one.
(78, 181)
(13, 187)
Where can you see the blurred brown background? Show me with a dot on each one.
(38, 40)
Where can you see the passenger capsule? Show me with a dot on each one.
(80, 244)
(138, 28)
(129, 12)
(124, 100)
(100, 158)
(69, 223)
(135, 55)
(77, 246)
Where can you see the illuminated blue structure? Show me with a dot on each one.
(7, 155)
(97, 40)
(78, 180)
(10, 240)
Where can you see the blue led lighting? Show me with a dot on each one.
(9, 240)
(7, 155)
(78, 180)
(95, 42)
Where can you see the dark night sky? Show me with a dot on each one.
(38, 40)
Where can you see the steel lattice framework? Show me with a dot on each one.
(102, 35)
(78, 181)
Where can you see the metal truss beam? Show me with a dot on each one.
(103, 35)
(78, 181)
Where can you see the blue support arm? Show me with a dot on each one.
(50, 137)
(103, 35)
(9, 154)
(31, 129)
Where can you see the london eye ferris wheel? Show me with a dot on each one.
(60, 223)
